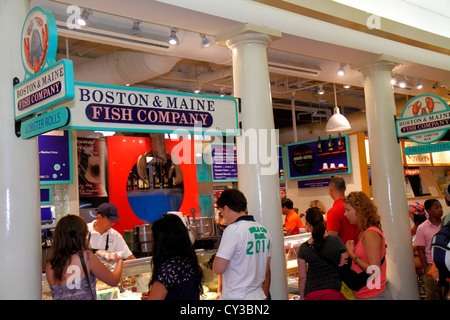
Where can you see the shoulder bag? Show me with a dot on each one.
(80, 254)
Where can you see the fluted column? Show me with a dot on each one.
(257, 144)
(388, 182)
(20, 218)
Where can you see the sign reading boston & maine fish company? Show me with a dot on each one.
(47, 83)
(425, 119)
(115, 108)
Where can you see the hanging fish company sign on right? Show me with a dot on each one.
(425, 119)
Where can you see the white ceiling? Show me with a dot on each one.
(197, 63)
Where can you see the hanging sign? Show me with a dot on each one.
(45, 122)
(425, 119)
(47, 83)
(115, 108)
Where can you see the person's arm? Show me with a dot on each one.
(220, 265)
(301, 277)
(101, 272)
(157, 292)
(422, 258)
(268, 277)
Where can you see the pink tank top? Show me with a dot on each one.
(377, 282)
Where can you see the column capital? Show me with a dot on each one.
(380, 62)
(248, 32)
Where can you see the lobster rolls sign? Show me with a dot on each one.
(425, 119)
(115, 108)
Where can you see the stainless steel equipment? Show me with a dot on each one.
(143, 236)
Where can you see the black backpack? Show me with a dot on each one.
(440, 250)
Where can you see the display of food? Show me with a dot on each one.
(107, 258)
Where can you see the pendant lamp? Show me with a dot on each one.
(337, 122)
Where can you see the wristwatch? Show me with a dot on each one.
(355, 258)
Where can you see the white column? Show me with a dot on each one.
(256, 146)
(388, 182)
(20, 240)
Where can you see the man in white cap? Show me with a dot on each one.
(103, 236)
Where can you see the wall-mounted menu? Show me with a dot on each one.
(224, 162)
(55, 157)
(321, 157)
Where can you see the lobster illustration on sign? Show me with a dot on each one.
(36, 44)
(417, 106)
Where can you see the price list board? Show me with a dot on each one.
(224, 162)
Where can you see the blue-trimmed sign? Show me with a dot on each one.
(425, 119)
(39, 40)
(305, 161)
(224, 162)
(427, 148)
(55, 157)
(50, 87)
(45, 122)
(116, 108)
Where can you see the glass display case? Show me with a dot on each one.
(291, 247)
(136, 276)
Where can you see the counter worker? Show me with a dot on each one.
(243, 257)
(103, 236)
(292, 221)
(337, 223)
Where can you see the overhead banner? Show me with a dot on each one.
(115, 108)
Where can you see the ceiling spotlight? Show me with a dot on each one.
(320, 91)
(222, 93)
(346, 86)
(402, 83)
(173, 39)
(341, 70)
(83, 19)
(136, 28)
(419, 85)
(205, 41)
(393, 80)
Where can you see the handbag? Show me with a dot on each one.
(80, 254)
(345, 290)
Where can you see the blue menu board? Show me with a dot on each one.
(55, 157)
(224, 162)
(305, 160)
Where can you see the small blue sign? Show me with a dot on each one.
(45, 122)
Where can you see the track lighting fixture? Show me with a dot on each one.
(393, 80)
(173, 39)
(205, 41)
(321, 91)
(402, 83)
(83, 19)
(136, 28)
(341, 70)
(419, 85)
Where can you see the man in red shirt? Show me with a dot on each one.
(337, 223)
(292, 222)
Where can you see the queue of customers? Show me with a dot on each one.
(352, 239)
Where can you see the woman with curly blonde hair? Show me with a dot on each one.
(368, 253)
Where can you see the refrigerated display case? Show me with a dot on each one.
(136, 275)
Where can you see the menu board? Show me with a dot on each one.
(314, 159)
(55, 157)
(224, 162)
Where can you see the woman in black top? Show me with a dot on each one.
(176, 272)
(318, 278)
